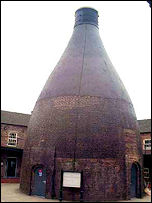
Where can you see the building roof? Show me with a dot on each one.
(14, 118)
(144, 125)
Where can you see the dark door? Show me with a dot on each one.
(133, 181)
(11, 167)
(39, 182)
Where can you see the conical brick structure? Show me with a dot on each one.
(84, 121)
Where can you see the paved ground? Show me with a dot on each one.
(10, 193)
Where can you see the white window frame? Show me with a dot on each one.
(148, 147)
(12, 141)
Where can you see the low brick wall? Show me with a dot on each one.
(10, 180)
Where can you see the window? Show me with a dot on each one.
(12, 139)
(147, 144)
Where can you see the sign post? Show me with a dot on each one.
(71, 179)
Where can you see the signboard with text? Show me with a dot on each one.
(71, 179)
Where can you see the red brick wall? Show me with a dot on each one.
(21, 134)
(133, 155)
(10, 180)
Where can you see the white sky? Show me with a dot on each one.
(35, 34)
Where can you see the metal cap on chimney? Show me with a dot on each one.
(86, 15)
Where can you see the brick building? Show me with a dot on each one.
(145, 133)
(13, 135)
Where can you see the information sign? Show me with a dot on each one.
(71, 179)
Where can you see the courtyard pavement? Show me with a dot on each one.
(10, 193)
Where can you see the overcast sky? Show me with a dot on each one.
(36, 33)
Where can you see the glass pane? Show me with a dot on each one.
(147, 141)
(12, 135)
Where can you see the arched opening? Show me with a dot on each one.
(135, 189)
(39, 181)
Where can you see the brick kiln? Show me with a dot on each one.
(83, 121)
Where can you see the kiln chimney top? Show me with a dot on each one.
(86, 15)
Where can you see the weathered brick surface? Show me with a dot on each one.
(133, 154)
(104, 175)
(100, 148)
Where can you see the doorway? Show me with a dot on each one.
(133, 180)
(11, 167)
(39, 186)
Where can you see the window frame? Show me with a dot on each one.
(149, 144)
(12, 139)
